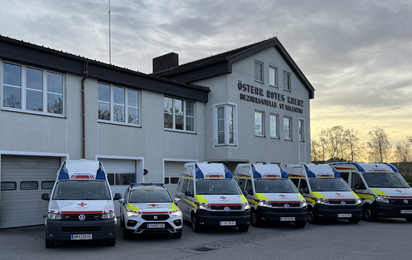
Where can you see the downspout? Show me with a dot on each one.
(85, 73)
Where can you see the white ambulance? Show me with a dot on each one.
(327, 194)
(271, 194)
(383, 190)
(81, 204)
(209, 196)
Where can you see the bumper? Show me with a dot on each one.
(214, 218)
(276, 214)
(389, 210)
(334, 212)
(63, 230)
(137, 225)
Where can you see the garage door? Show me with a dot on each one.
(173, 170)
(23, 180)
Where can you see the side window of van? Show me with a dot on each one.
(249, 187)
(184, 186)
(190, 187)
(357, 182)
(303, 185)
(296, 182)
(345, 176)
(241, 183)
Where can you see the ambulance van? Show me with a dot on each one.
(271, 194)
(327, 194)
(383, 190)
(209, 196)
(80, 205)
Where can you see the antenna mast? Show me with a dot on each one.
(110, 46)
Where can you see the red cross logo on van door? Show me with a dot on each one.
(281, 195)
(82, 204)
(223, 197)
(398, 191)
(337, 193)
(153, 205)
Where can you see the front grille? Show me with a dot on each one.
(155, 217)
(400, 201)
(75, 217)
(283, 204)
(223, 207)
(81, 229)
(339, 202)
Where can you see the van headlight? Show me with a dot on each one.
(245, 207)
(110, 215)
(177, 213)
(303, 204)
(358, 201)
(381, 199)
(54, 216)
(265, 204)
(204, 207)
(322, 201)
(132, 214)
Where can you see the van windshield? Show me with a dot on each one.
(82, 190)
(217, 187)
(328, 184)
(275, 186)
(150, 196)
(385, 180)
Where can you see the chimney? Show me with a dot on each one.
(166, 61)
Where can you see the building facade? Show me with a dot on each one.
(57, 106)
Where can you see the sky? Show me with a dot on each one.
(357, 54)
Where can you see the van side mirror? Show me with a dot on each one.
(117, 196)
(245, 193)
(189, 193)
(45, 196)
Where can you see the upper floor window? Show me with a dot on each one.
(274, 129)
(301, 130)
(225, 124)
(259, 120)
(273, 76)
(32, 90)
(116, 104)
(286, 81)
(287, 128)
(179, 114)
(258, 71)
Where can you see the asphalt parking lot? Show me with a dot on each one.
(338, 239)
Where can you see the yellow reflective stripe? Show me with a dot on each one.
(354, 194)
(191, 203)
(173, 207)
(310, 200)
(132, 207)
(318, 195)
(365, 196)
(251, 201)
(243, 199)
(201, 199)
(301, 197)
(260, 196)
(379, 192)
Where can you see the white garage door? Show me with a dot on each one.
(23, 180)
(173, 170)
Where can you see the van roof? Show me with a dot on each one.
(364, 167)
(81, 169)
(210, 170)
(260, 170)
(314, 171)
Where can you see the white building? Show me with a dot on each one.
(247, 105)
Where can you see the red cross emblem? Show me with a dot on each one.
(398, 191)
(153, 205)
(281, 195)
(223, 197)
(337, 193)
(82, 204)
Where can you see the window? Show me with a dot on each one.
(121, 178)
(179, 114)
(287, 128)
(273, 76)
(171, 180)
(31, 89)
(301, 130)
(259, 71)
(29, 185)
(8, 185)
(259, 118)
(47, 185)
(274, 126)
(286, 81)
(116, 104)
(225, 124)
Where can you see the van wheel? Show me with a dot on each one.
(243, 228)
(195, 224)
(111, 242)
(300, 224)
(48, 243)
(126, 234)
(369, 213)
(254, 219)
(409, 219)
(312, 217)
(354, 220)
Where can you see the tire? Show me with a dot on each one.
(49, 243)
(178, 234)
(300, 224)
(126, 234)
(409, 219)
(195, 225)
(354, 220)
(369, 213)
(121, 222)
(243, 228)
(312, 217)
(111, 242)
(254, 220)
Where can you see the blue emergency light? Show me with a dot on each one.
(199, 173)
(256, 174)
(228, 173)
(284, 173)
(100, 175)
(392, 167)
(64, 173)
(337, 174)
(310, 173)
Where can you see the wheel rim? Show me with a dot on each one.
(310, 216)
(254, 218)
(194, 226)
(368, 213)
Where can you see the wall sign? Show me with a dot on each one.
(269, 98)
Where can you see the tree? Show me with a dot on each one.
(315, 151)
(379, 146)
(335, 141)
(403, 152)
(352, 144)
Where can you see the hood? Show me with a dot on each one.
(224, 200)
(81, 206)
(152, 208)
(335, 195)
(280, 197)
(400, 193)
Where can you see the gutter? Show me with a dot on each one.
(85, 75)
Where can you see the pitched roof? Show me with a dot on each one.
(222, 64)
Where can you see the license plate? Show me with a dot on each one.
(406, 211)
(228, 223)
(287, 219)
(82, 237)
(344, 215)
(155, 225)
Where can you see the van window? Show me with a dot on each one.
(345, 176)
(190, 187)
(275, 186)
(296, 182)
(241, 183)
(217, 187)
(81, 190)
(249, 187)
(328, 184)
(303, 185)
(185, 184)
(385, 180)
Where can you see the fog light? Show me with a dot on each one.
(131, 223)
(177, 222)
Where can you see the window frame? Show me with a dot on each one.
(287, 76)
(262, 125)
(262, 74)
(301, 129)
(24, 87)
(125, 105)
(275, 77)
(288, 138)
(277, 125)
(227, 107)
(184, 115)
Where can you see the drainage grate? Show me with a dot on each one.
(203, 249)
